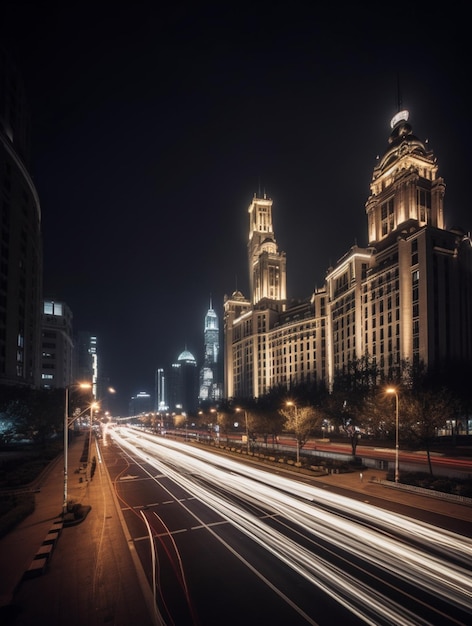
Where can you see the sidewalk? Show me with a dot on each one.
(369, 484)
(92, 576)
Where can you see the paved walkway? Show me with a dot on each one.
(93, 577)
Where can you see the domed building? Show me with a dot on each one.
(183, 384)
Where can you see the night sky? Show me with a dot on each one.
(153, 127)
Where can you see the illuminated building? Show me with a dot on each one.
(21, 254)
(210, 386)
(140, 403)
(86, 361)
(160, 400)
(183, 384)
(405, 298)
(56, 345)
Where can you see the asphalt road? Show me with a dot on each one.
(208, 567)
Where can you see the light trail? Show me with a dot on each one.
(299, 503)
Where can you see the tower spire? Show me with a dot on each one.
(399, 95)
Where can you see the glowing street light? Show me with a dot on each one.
(247, 429)
(290, 403)
(394, 391)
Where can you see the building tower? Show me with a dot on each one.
(160, 399)
(210, 387)
(86, 362)
(267, 266)
(21, 253)
(403, 300)
(183, 384)
(57, 345)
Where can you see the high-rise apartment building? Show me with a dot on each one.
(405, 298)
(21, 253)
(86, 363)
(56, 345)
(140, 403)
(210, 385)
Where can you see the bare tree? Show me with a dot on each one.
(421, 413)
(304, 421)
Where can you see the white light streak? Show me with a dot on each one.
(389, 548)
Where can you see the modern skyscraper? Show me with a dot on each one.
(21, 253)
(210, 385)
(160, 395)
(86, 362)
(406, 298)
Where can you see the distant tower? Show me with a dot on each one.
(160, 403)
(86, 361)
(183, 384)
(210, 386)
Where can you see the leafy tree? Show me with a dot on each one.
(35, 414)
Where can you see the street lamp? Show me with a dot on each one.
(290, 403)
(217, 425)
(66, 439)
(247, 429)
(394, 391)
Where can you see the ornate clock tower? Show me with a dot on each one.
(405, 186)
(267, 266)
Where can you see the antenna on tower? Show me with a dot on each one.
(399, 95)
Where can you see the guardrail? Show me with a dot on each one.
(432, 493)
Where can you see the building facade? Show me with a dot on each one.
(183, 384)
(86, 364)
(405, 298)
(56, 345)
(21, 252)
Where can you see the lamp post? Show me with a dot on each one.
(246, 426)
(295, 408)
(217, 425)
(66, 439)
(394, 391)
(66, 449)
(89, 463)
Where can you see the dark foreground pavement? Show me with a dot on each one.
(92, 575)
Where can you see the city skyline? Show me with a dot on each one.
(150, 142)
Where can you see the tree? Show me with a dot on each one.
(421, 413)
(303, 421)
